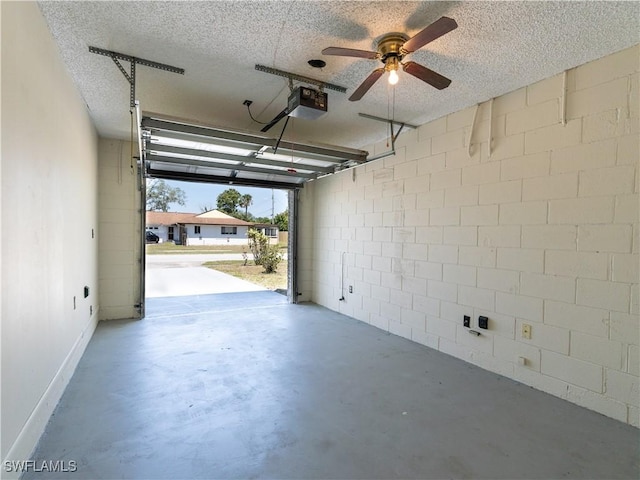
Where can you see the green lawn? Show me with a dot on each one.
(253, 273)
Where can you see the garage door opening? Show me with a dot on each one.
(216, 239)
(181, 150)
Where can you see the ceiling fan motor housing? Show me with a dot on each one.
(390, 46)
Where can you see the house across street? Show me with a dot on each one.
(208, 228)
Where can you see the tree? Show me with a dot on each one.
(228, 201)
(282, 221)
(206, 208)
(245, 202)
(160, 195)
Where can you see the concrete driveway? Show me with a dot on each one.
(181, 275)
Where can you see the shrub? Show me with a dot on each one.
(271, 258)
(264, 254)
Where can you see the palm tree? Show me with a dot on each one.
(245, 201)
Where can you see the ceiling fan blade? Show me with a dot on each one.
(277, 118)
(423, 73)
(366, 85)
(429, 34)
(350, 52)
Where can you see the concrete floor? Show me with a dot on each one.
(244, 385)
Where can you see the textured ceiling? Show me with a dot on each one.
(498, 47)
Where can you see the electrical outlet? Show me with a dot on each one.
(466, 321)
(350, 288)
(483, 322)
(247, 103)
(526, 331)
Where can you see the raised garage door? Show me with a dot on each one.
(175, 149)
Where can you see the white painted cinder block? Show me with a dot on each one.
(545, 230)
(602, 351)
(460, 236)
(625, 268)
(584, 157)
(569, 316)
(607, 181)
(443, 253)
(577, 264)
(625, 328)
(616, 65)
(445, 216)
(502, 192)
(442, 290)
(526, 213)
(626, 209)
(476, 297)
(556, 237)
(477, 256)
(527, 166)
(545, 336)
(501, 280)
(550, 88)
(605, 238)
(481, 174)
(622, 386)
(532, 117)
(499, 236)
(554, 186)
(529, 308)
(459, 274)
(603, 294)
(480, 215)
(573, 371)
(521, 259)
(633, 360)
(574, 211)
(459, 196)
(552, 137)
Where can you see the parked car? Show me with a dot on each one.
(152, 237)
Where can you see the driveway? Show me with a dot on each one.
(181, 275)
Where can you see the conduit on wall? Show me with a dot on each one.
(563, 100)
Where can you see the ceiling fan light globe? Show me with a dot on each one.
(393, 77)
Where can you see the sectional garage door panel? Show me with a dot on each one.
(181, 150)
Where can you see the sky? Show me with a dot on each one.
(199, 195)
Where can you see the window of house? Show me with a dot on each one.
(271, 232)
(229, 230)
(196, 229)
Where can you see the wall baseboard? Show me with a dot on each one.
(29, 436)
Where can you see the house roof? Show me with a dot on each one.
(212, 217)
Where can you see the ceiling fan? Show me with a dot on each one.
(391, 49)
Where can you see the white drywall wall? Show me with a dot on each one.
(49, 228)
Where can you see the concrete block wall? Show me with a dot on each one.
(542, 230)
(120, 231)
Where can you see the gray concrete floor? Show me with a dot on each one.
(244, 385)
